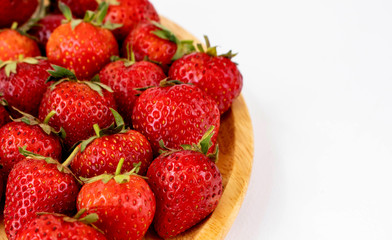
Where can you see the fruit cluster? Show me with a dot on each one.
(106, 114)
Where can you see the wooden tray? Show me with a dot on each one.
(235, 164)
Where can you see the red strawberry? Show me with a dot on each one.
(217, 75)
(178, 114)
(60, 227)
(23, 84)
(44, 28)
(129, 13)
(78, 105)
(4, 115)
(125, 204)
(187, 186)
(157, 43)
(16, 11)
(27, 130)
(36, 184)
(82, 46)
(100, 154)
(125, 77)
(13, 44)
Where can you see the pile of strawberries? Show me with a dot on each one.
(108, 122)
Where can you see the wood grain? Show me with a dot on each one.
(235, 164)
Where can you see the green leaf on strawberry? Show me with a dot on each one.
(66, 75)
(95, 18)
(183, 46)
(10, 65)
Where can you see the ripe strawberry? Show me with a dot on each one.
(78, 105)
(44, 28)
(60, 227)
(178, 114)
(4, 115)
(100, 154)
(23, 84)
(37, 184)
(157, 43)
(84, 47)
(13, 44)
(129, 13)
(125, 204)
(125, 77)
(187, 186)
(38, 137)
(217, 75)
(16, 11)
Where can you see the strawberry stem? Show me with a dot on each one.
(119, 166)
(49, 116)
(97, 129)
(14, 25)
(80, 213)
(71, 157)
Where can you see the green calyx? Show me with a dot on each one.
(11, 65)
(60, 74)
(49, 160)
(169, 83)
(203, 146)
(183, 46)
(31, 120)
(3, 102)
(166, 82)
(28, 154)
(117, 176)
(88, 219)
(96, 18)
(114, 128)
(212, 50)
(129, 61)
(63, 168)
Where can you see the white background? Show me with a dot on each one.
(318, 85)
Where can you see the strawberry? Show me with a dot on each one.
(217, 75)
(78, 105)
(16, 11)
(13, 44)
(100, 154)
(27, 130)
(124, 203)
(37, 184)
(61, 227)
(4, 115)
(187, 186)
(23, 84)
(44, 28)
(129, 13)
(82, 46)
(157, 43)
(177, 114)
(125, 77)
